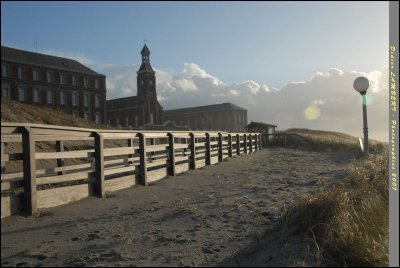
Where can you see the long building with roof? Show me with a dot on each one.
(224, 116)
(55, 82)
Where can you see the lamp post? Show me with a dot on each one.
(361, 85)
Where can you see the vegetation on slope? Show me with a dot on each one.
(14, 111)
(318, 140)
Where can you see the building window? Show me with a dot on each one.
(151, 82)
(61, 79)
(126, 121)
(98, 118)
(20, 72)
(96, 83)
(75, 99)
(49, 77)
(35, 95)
(75, 113)
(74, 80)
(86, 100)
(62, 98)
(21, 93)
(87, 116)
(136, 121)
(117, 120)
(4, 70)
(151, 118)
(85, 82)
(5, 91)
(49, 97)
(34, 74)
(97, 101)
(211, 119)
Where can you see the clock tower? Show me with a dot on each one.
(146, 76)
(146, 90)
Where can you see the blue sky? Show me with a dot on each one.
(271, 44)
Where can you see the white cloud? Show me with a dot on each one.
(332, 92)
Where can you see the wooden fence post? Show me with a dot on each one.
(29, 168)
(256, 142)
(245, 143)
(237, 144)
(99, 163)
(192, 151)
(220, 148)
(259, 142)
(60, 161)
(130, 144)
(171, 153)
(230, 145)
(208, 149)
(143, 158)
(251, 142)
(3, 164)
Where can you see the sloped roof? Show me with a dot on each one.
(32, 58)
(260, 124)
(123, 103)
(213, 107)
(145, 50)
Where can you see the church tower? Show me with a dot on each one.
(146, 90)
(146, 76)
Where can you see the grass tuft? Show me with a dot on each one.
(349, 223)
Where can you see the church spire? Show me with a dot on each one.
(145, 67)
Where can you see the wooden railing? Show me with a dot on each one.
(44, 166)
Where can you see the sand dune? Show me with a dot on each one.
(204, 217)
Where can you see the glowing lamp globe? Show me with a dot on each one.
(361, 85)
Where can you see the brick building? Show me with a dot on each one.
(224, 116)
(54, 82)
(143, 110)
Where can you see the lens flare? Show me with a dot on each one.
(312, 112)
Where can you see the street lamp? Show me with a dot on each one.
(361, 85)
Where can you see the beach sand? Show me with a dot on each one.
(206, 217)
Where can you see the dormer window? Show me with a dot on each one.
(141, 82)
(151, 82)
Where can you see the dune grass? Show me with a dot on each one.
(349, 223)
(318, 140)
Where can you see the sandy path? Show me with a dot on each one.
(199, 218)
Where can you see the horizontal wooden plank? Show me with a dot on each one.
(12, 204)
(63, 195)
(120, 150)
(62, 132)
(121, 161)
(64, 178)
(11, 157)
(181, 168)
(116, 184)
(156, 175)
(181, 158)
(181, 146)
(61, 138)
(11, 185)
(154, 148)
(197, 144)
(156, 163)
(159, 156)
(152, 135)
(111, 171)
(11, 177)
(11, 137)
(119, 136)
(70, 154)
